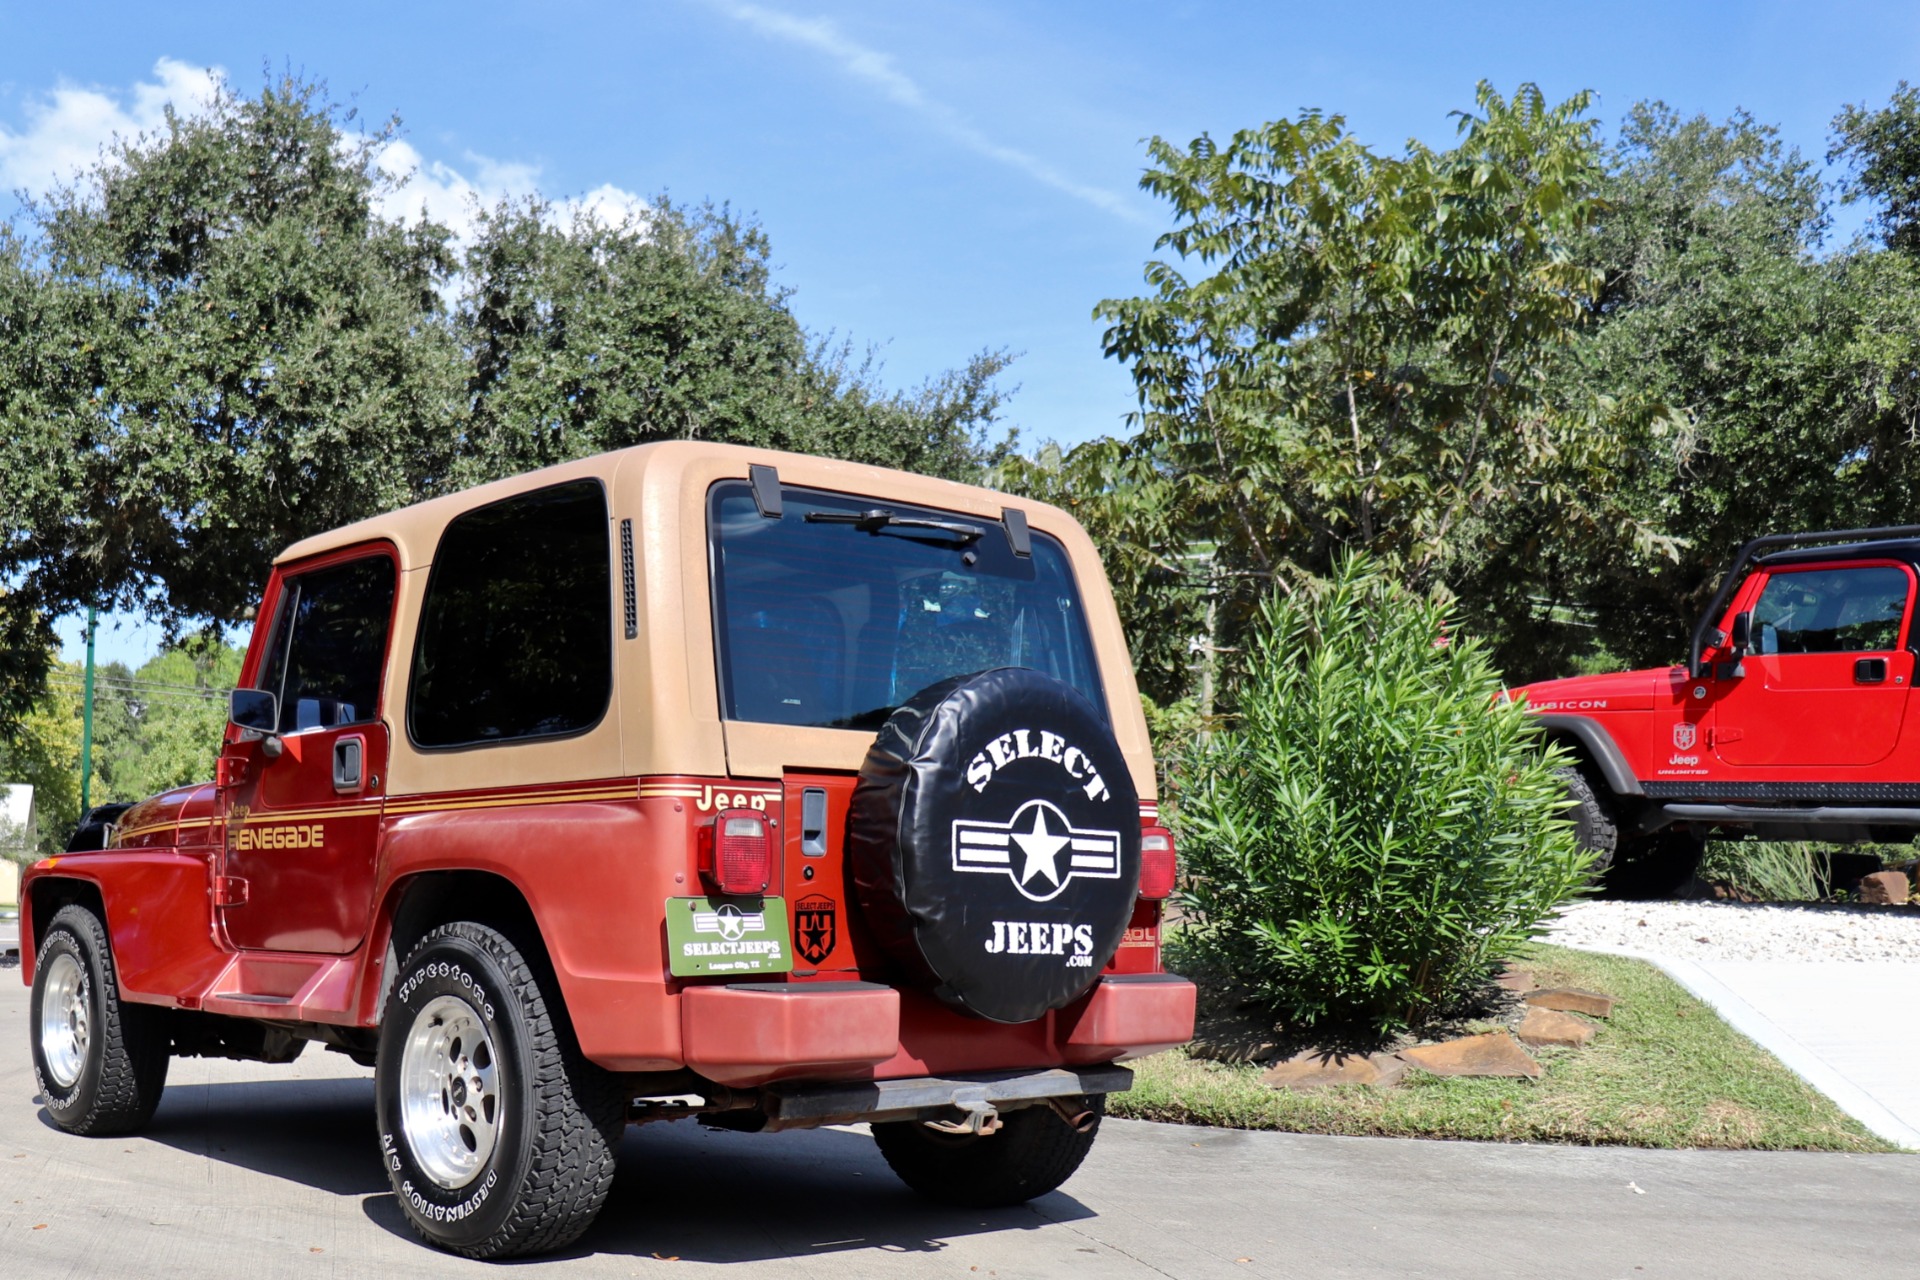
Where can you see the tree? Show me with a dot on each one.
(1363, 364)
(1883, 147)
(212, 345)
(226, 351)
(1790, 374)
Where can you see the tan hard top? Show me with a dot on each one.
(666, 717)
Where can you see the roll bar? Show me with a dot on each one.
(1769, 542)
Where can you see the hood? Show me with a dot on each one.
(178, 816)
(1620, 691)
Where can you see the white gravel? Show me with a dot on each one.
(1741, 931)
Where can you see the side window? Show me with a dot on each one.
(328, 642)
(1831, 611)
(516, 635)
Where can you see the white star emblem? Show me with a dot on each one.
(1041, 847)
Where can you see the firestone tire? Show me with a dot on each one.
(1593, 825)
(497, 1135)
(101, 1063)
(1033, 1152)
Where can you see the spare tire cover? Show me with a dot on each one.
(994, 839)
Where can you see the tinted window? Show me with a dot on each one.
(834, 625)
(1831, 611)
(328, 641)
(516, 635)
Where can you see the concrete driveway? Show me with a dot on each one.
(261, 1172)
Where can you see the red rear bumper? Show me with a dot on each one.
(752, 1033)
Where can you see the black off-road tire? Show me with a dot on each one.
(1033, 1152)
(124, 1050)
(1655, 867)
(1593, 825)
(557, 1117)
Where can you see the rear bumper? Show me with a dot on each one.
(1130, 1016)
(753, 1033)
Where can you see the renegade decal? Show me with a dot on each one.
(305, 835)
(1051, 851)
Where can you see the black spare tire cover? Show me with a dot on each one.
(994, 839)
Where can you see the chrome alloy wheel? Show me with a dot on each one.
(450, 1092)
(66, 1020)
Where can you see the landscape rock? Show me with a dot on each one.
(1494, 1054)
(1573, 1000)
(1518, 981)
(1885, 889)
(1233, 1048)
(1548, 1027)
(1317, 1068)
(1844, 869)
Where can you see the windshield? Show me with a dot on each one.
(835, 622)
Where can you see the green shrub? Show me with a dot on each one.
(1377, 828)
(1775, 871)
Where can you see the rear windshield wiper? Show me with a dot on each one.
(879, 518)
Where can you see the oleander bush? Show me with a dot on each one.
(1378, 827)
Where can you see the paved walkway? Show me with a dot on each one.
(1850, 1029)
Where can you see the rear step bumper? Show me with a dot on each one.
(751, 1033)
(807, 1106)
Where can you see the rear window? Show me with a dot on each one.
(516, 635)
(830, 624)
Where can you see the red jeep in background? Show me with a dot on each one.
(1788, 721)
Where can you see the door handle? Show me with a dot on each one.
(1869, 670)
(349, 762)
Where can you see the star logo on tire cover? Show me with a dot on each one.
(1039, 850)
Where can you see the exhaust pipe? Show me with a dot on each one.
(1079, 1117)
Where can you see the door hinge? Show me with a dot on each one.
(229, 891)
(1718, 735)
(230, 771)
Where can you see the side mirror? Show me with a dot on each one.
(1743, 630)
(253, 709)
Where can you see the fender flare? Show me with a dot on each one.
(1599, 747)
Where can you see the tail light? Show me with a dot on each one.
(1157, 866)
(736, 852)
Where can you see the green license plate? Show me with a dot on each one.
(728, 935)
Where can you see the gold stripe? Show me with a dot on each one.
(507, 802)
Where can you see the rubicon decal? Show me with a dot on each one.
(1039, 850)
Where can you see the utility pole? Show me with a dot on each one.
(86, 721)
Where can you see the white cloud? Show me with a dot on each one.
(438, 191)
(877, 69)
(63, 133)
(65, 130)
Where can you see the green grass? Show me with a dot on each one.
(1664, 1071)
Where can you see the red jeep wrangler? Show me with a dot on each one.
(1788, 721)
(687, 780)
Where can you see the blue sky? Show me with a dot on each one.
(938, 177)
